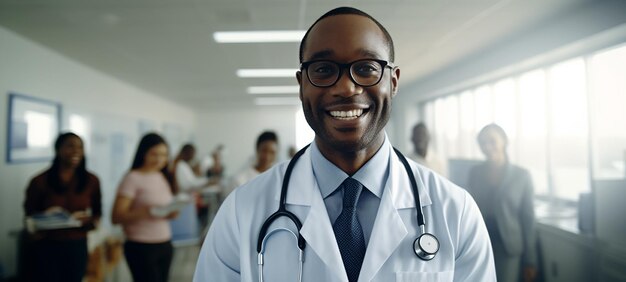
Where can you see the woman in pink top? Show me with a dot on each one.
(148, 248)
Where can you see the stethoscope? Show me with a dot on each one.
(425, 246)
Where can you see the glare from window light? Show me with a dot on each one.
(80, 126)
(304, 133)
(504, 106)
(532, 94)
(40, 127)
(568, 99)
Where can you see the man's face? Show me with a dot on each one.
(420, 140)
(344, 39)
(266, 153)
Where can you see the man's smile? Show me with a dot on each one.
(347, 115)
(347, 112)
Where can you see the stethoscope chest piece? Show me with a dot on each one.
(426, 246)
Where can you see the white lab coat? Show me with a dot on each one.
(229, 252)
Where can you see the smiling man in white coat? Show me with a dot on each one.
(350, 208)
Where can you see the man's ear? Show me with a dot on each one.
(299, 78)
(395, 78)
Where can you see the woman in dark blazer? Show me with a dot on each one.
(504, 194)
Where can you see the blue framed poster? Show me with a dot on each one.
(33, 126)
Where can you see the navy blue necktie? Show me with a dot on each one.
(348, 231)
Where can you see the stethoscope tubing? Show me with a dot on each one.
(282, 211)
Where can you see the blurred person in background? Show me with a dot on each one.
(67, 187)
(190, 182)
(422, 155)
(504, 194)
(266, 150)
(291, 151)
(148, 184)
(216, 168)
(186, 178)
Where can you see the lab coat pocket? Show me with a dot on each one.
(425, 276)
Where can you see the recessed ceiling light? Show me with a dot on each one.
(266, 72)
(287, 89)
(277, 101)
(258, 36)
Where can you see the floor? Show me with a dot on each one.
(184, 263)
(183, 266)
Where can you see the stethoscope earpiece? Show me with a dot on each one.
(426, 246)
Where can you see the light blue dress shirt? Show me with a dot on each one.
(373, 175)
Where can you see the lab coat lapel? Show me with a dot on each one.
(389, 230)
(316, 228)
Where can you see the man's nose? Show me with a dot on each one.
(345, 86)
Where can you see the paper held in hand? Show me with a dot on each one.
(54, 220)
(179, 202)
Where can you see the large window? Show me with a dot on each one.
(533, 154)
(565, 121)
(607, 82)
(568, 124)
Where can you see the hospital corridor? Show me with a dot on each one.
(277, 140)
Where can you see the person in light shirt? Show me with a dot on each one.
(186, 178)
(193, 184)
(266, 150)
(148, 184)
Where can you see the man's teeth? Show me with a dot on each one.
(352, 114)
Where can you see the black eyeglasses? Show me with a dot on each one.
(365, 73)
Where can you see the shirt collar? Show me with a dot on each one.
(373, 175)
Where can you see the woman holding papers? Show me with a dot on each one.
(144, 193)
(69, 195)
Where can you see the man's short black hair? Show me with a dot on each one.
(266, 136)
(349, 11)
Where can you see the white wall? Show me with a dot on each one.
(594, 25)
(113, 108)
(238, 128)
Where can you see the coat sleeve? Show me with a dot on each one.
(474, 256)
(219, 257)
(529, 257)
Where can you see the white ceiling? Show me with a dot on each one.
(166, 46)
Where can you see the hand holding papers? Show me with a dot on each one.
(179, 202)
(57, 219)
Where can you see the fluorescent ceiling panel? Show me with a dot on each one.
(277, 101)
(287, 89)
(258, 36)
(266, 72)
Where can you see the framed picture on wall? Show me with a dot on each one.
(33, 125)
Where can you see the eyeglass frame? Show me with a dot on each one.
(305, 67)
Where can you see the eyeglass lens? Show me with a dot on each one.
(363, 72)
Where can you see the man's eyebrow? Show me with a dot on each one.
(370, 54)
(366, 53)
(321, 54)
